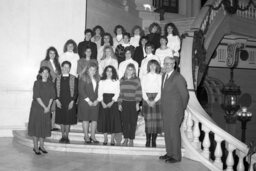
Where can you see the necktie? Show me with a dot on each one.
(165, 78)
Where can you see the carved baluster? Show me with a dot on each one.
(230, 159)
(206, 142)
(196, 133)
(184, 124)
(218, 152)
(240, 165)
(189, 127)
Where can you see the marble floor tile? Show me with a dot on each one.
(15, 157)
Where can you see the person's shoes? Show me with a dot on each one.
(172, 160)
(112, 143)
(131, 143)
(55, 129)
(154, 136)
(164, 157)
(105, 143)
(87, 140)
(94, 141)
(43, 150)
(36, 152)
(62, 140)
(67, 141)
(125, 143)
(148, 137)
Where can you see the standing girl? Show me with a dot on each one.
(88, 103)
(129, 99)
(39, 125)
(109, 121)
(151, 93)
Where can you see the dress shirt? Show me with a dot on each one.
(135, 40)
(167, 75)
(174, 44)
(107, 61)
(72, 58)
(123, 65)
(53, 65)
(144, 64)
(162, 53)
(109, 86)
(151, 83)
(94, 85)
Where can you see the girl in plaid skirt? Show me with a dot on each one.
(151, 93)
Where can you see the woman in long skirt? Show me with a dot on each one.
(39, 125)
(109, 121)
(151, 93)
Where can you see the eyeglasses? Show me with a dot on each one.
(168, 64)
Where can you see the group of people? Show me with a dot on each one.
(103, 81)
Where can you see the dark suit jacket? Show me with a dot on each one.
(49, 65)
(83, 45)
(86, 90)
(138, 55)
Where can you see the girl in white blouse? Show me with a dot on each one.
(151, 93)
(163, 51)
(172, 34)
(109, 121)
(108, 58)
(137, 32)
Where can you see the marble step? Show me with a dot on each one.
(77, 145)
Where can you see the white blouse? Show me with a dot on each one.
(109, 86)
(123, 65)
(105, 62)
(144, 64)
(72, 58)
(162, 53)
(174, 44)
(151, 83)
(135, 41)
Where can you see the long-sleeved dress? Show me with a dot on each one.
(66, 89)
(39, 124)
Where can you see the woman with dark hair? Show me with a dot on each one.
(98, 33)
(88, 103)
(109, 121)
(128, 51)
(107, 40)
(39, 125)
(172, 34)
(163, 51)
(82, 63)
(151, 93)
(118, 39)
(66, 89)
(154, 35)
(52, 62)
(129, 99)
(108, 58)
(137, 32)
(70, 54)
(88, 33)
(140, 52)
(119, 52)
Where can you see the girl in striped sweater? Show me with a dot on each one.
(129, 99)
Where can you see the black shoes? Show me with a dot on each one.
(164, 157)
(64, 140)
(168, 159)
(154, 136)
(94, 141)
(148, 138)
(37, 152)
(43, 150)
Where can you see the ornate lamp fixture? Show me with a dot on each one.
(231, 91)
(243, 116)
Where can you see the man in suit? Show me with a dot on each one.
(174, 99)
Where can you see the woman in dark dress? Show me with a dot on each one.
(52, 62)
(39, 125)
(109, 121)
(88, 107)
(154, 35)
(66, 89)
